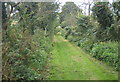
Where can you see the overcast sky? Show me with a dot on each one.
(79, 2)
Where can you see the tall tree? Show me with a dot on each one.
(68, 16)
(102, 11)
(69, 11)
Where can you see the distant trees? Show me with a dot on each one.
(102, 11)
(116, 10)
(28, 30)
(106, 17)
(116, 28)
(97, 33)
(69, 13)
(68, 17)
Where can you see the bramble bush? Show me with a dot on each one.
(27, 54)
(27, 39)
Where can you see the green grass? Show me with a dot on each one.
(70, 62)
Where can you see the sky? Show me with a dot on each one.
(79, 2)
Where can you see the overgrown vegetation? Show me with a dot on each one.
(28, 30)
(97, 33)
(107, 52)
(27, 39)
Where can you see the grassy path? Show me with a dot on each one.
(69, 62)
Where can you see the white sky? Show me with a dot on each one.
(79, 2)
(82, 0)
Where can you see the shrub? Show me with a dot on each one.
(26, 54)
(106, 51)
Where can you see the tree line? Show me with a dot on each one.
(97, 33)
(28, 29)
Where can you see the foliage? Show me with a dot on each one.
(29, 56)
(89, 31)
(68, 17)
(69, 9)
(28, 30)
(116, 10)
(101, 11)
(27, 41)
(106, 52)
(68, 59)
(108, 27)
